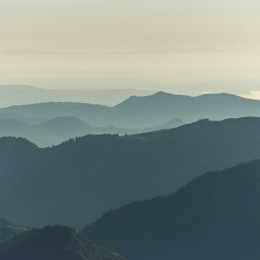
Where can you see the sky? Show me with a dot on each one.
(179, 46)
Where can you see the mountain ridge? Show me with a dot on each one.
(26, 94)
(59, 129)
(8, 231)
(142, 112)
(54, 243)
(108, 171)
(215, 216)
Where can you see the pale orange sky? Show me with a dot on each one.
(189, 45)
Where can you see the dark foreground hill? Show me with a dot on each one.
(9, 231)
(54, 243)
(76, 182)
(216, 216)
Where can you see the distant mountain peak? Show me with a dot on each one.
(158, 96)
(220, 95)
(162, 93)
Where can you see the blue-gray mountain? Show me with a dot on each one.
(76, 182)
(60, 129)
(216, 216)
(49, 124)
(141, 112)
(24, 94)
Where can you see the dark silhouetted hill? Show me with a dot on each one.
(76, 182)
(216, 216)
(8, 231)
(55, 243)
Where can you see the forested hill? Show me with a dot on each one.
(54, 243)
(216, 216)
(76, 182)
(9, 231)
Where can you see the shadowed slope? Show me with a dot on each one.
(76, 182)
(9, 231)
(216, 216)
(55, 243)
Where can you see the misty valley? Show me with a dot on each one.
(155, 177)
(129, 130)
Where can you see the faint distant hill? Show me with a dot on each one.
(76, 182)
(23, 94)
(61, 129)
(57, 130)
(95, 115)
(216, 216)
(173, 123)
(141, 112)
(55, 243)
(53, 131)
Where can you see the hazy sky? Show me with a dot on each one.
(188, 46)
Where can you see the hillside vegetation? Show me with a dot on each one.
(76, 182)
